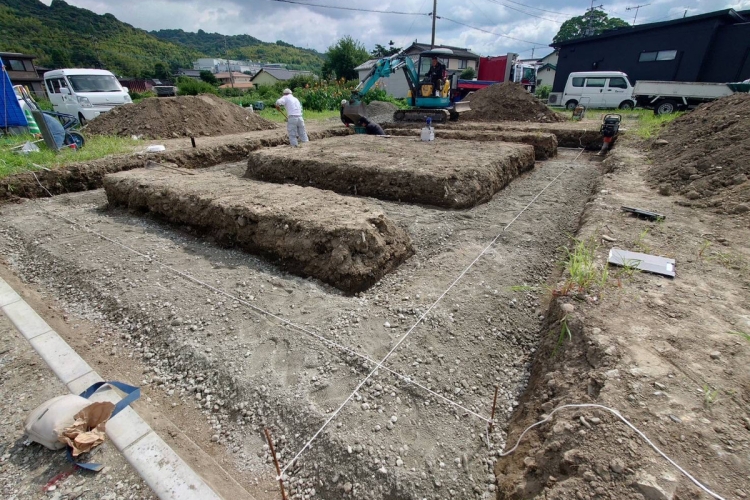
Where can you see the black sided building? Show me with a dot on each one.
(712, 47)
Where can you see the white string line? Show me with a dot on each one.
(406, 379)
(543, 190)
(359, 386)
(625, 421)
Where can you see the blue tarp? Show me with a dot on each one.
(11, 114)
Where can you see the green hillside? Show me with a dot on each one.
(62, 35)
(244, 47)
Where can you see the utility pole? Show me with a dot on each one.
(229, 68)
(590, 29)
(635, 8)
(434, 17)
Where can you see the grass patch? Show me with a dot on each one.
(649, 124)
(709, 396)
(640, 241)
(582, 273)
(743, 335)
(564, 333)
(275, 116)
(96, 147)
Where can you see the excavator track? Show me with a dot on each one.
(421, 115)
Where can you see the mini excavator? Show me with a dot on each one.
(426, 100)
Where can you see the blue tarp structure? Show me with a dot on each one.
(11, 114)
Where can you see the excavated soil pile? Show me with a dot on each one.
(705, 155)
(345, 242)
(446, 173)
(380, 112)
(508, 101)
(169, 117)
(545, 144)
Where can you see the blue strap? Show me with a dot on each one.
(131, 394)
(87, 466)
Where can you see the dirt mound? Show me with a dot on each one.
(508, 101)
(168, 117)
(380, 112)
(705, 155)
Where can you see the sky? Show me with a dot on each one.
(522, 26)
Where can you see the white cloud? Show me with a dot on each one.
(319, 28)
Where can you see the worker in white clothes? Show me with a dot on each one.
(295, 124)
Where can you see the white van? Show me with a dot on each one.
(598, 89)
(85, 93)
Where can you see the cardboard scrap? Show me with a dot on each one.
(87, 431)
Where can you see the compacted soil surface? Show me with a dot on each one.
(229, 344)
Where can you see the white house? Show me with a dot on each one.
(546, 69)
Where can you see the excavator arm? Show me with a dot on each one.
(384, 68)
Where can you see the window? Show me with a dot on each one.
(95, 83)
(666, 55)
(54, 84)
(578, 81)
(618, 83)
(661, 55)
(595, 82)
(16, 65)
(463, 64)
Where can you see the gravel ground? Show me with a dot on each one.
(25, 467)
(243, 371)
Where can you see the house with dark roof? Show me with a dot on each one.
(396, 85)
(711, 47)
(21, 70)
(270, 76)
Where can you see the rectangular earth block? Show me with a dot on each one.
(343, 241)
(446, 173)
(545, 144)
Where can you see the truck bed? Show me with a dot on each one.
(689, 90)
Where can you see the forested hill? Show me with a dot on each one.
(61, 35)
(244, 47)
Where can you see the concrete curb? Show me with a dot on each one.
(163, 470)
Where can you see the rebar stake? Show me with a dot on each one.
(494, 405)
(276, 463)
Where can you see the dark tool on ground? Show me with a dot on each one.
(644, 213)
(609, 130)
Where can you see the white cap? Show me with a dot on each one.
(343, 102)
(287, 91)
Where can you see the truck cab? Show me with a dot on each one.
(84, 93)
(598, 89)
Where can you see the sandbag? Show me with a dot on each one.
(46, 422)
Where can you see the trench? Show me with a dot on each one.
(244, 371)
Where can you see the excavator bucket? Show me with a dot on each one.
(461, 106)
(355, 111)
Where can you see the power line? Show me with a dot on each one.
(537, 8)
(353, 8)
(524, 12)
(490, 32)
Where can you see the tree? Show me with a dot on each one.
(161, 71)
(343, 57)
(578, 27)
(209, 77)
(468, 74)
(380, 51)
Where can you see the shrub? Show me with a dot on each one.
(142, 95)
(543, 92)
(188, 86)
(467, 74)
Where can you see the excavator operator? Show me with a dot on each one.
(436, 75)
